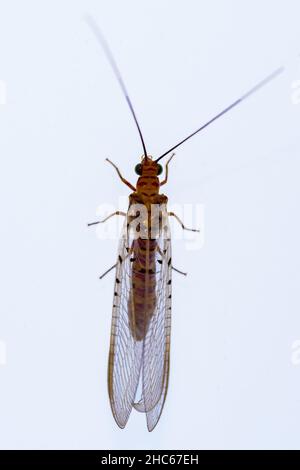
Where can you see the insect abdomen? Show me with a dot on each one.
(142, 299)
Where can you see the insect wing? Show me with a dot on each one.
(125, 354)
(156, 350)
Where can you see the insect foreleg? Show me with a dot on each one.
(169, 261)
(121, 177)
(167, 170)
(171, 214)
(106, 218)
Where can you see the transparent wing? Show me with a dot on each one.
(125, 354)
(156, 348)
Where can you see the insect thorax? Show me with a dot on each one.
(147, 216)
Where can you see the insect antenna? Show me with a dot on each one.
(89, 20)
(253, 90)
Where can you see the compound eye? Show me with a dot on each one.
(138, 169)
(159, 169)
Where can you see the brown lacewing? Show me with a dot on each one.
(139, 356)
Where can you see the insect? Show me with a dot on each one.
(139, 356)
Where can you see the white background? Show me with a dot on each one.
(236, 316)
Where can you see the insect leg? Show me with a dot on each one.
(106, 218)
(121, 177)
(116, 264)
(106, 272)
(171, 214)
(180, 272)
(167, 170)
(164, 258)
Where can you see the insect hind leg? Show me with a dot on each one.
(178, 271)
(165, 259)
(120, 260)
(108, 271)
